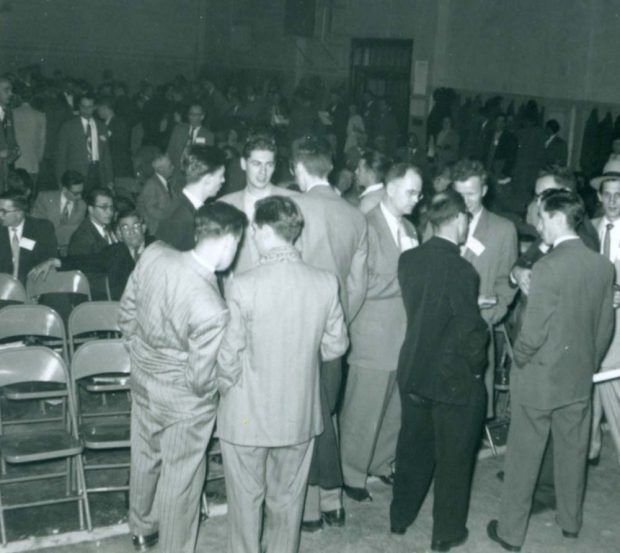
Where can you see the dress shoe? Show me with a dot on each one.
(398, 530)
(144, 543)
(357, 494)
(312, 525)
(492, 533)
(446, 545)
(571, 535)
(539, 507)
(334, 518)
(500, 475)
(387, 479)
(594, 461)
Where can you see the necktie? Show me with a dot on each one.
(607, 240)
(15, 251)
(108, 236)
(190, 137)
(89, 141)
(404, 241)
(66, 212)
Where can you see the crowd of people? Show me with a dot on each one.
(316, 286)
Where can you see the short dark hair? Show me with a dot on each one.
(466, 169)
(259, 140)
(125, 214)
(399, 170)
(282, 215)
(69, 178)
(553, 126)
(107, 101)
(94, 193)
(445, 206)
(20, 201)
(562, 176)
(314, 154)
(203, 160)
(86, 94)
(570, 203)
(377, 162)
(216, 219)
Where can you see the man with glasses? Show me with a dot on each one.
(24, 241)
(64, 208)
(83, 147)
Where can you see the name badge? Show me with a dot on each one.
(27, 244)
(200, 140)
(475, 245)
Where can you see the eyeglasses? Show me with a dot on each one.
(5, 211)
(105, 207)
(136, 227)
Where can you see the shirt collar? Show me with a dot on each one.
(19, 228)
(193, 200)
(564, 238)
(605, 221)
(473, 224)
(202, 263)
(162, 179)
(372, 188)
(86, 121)
(100, 228)
(315, 184)
(283, 253)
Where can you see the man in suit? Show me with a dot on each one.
(64, 208)
(369, 177)
(335, 238)
(258, 163)
(567, 325)
(267, 421)
(30, 126)
(502, 150)
(156, 199)
(9, 149)
(24, 241)
(116, 261)
(492, 249)
(607, 394)
(83, 147)
(205, 174)
(173, 319)
(118, 138)
(556, 151)
(415, 154)
(185, 135)
(370, 414)
(440, 370)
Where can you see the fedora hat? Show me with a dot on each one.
(611, 171)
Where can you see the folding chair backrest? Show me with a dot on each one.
(94, 316)
(31, 364)
(63, 282)
(31, 320)
(11, 289)
(100, 357)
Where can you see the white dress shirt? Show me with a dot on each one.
(193, 200)
(398, 230)
(94, 139)
(106, 234)
(614, 238)
(372, 188)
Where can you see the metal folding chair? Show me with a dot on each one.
(63, 282)
(42, 365)
(99, 362)
(11, 290)
(90, 317)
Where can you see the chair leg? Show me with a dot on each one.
(490, 438)
(2, 526)
(68, 476)
(204, 505)
(81, 478)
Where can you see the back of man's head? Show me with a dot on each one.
(444, 207)
(563, 178)
(282, 215)
(569, 203)
(315, 154)
(378, 163)
(217, 219)
(202, 160)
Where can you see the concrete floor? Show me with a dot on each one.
(367, 528)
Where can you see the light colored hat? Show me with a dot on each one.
(611, 171)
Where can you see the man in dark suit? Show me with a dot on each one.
(185, 135)
(567, 326)
(119, 138)
(439, 377)
(556, 151)
(502, 150)
(64, 208)
(335, 238)
(24, 241)
(9, 150)
(205, 174)
(83, 147)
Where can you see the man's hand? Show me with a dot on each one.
(523, 278)
(42, 269)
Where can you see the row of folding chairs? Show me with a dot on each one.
(63, 282)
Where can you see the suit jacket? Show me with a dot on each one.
(178, 141)
(499, 238)
(444, 353)
(371, 200)
(119, 145)
(7, 142)
(178, 228)
(335, 238)
(268, 364)
(155, 202)
(41, 233)
(378, 331)
(247, 254)
(86, 239)
(30, 126)
(47, 206)
(502, 158)
(72, 151)
(567, 326)
(173, 318)
(556, 153)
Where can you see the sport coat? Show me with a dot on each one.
(335, 238)
(156, 202)
(178, 141)
(444, 353)
(371, 200)
(38, 231)
(567, 326)
(378, 331)
(72, 151)
(556, 153)
(30, 127)
(47, 206)
(247, 254)
(498, 237)
(268, 364)
(119, 145)
(178, 228)
(7, 142)
(173, 318)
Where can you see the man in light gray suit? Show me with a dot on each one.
(258, 163)
(335, 238)
(567, 326)
(157, 197)
(370, 415)
(270, 411)
(173, 318)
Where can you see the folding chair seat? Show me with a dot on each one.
(11, 291)
(40, 364)
(102, 430)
